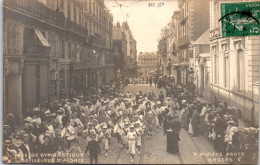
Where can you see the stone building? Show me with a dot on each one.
(120, 50)
(131, 62)
(148, 62)
(193, 22)
(172, 48)
(53, 48)
(235, 69)
(201, 65)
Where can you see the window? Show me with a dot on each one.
(226, 70)
(53, 42)
(62, 49)
(69, 15)
(70, 50)
(94, 8)
(80, 18)
(186, 28)
(240, 70)
(90, 6)
(12, 39)
(216, 67)
(75, 15)
(187, 10)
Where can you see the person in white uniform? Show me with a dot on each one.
(131, 137)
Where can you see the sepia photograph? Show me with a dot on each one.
(130, 81)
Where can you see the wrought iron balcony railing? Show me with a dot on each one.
(37, 10)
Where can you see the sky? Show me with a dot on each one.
(145, 22)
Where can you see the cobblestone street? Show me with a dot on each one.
(154, 148)
(130, 82)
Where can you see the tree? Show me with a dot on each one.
(162, 42)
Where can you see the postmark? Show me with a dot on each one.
(240, 19)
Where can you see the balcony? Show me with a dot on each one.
(183, 18)
(38, 50)
(183, 41)
(89, 63)
(97, 39)
(75, 28)
(37, 10)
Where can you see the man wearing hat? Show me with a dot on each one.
(176, 127)
(219, 144)
(93, 148)
(161, 97)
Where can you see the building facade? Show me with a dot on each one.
(53, 48)
(235, 69)
(201, 65)
(172, 49)
(147, 62)
(193, 22)
(131, 60)
(120, 50)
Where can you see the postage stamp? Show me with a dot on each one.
(240, 19)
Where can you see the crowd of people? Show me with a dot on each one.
(217, 121)
(52, 130)
(109, 112)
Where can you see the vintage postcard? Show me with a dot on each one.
(130, 81)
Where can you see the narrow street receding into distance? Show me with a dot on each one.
(154, 148)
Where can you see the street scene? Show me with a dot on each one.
(130, 82)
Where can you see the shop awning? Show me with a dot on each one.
(41, 38)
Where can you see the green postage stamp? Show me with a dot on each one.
(240, 19)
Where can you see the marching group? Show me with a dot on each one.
(108, 112)
(56, 129)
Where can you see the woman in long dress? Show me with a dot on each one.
(183, 118)
(176, 127)
(173, 132)
(169, 133)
